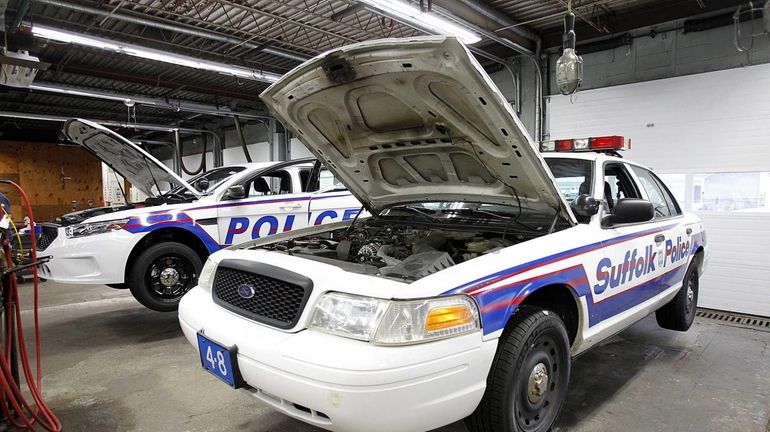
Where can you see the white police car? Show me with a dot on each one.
(157, 248)
(473, 284)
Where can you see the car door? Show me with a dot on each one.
(676, 238)
(632, 270)
(273, 203)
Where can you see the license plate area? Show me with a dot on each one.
(220, 361)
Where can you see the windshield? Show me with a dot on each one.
(573, 176)
(215, 177)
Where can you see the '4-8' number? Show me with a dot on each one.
(218, 362)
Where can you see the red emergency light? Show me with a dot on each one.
(605, 143)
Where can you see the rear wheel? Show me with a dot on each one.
(679, 313)
(529, 377)
(162, 274)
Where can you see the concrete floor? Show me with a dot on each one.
(112, 365)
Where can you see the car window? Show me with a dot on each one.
(663, 204)
(573, 176)
(215, 177)
(272, 183)
(324, 180)
(617, 185)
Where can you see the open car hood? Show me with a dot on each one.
(126, 158)
(413, 120)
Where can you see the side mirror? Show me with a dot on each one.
(235, 192)
(202, 185)
(585, 205)
(630, 210)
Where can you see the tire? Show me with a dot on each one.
(158, 290)
(118, 286)
(679, 313)
(535, 342)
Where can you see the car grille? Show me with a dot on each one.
(269, 299)
(47, 236)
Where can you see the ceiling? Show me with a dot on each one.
(263, 35)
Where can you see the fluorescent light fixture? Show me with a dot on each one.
(413, 16)
(152, 54)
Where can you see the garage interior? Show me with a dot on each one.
(688, 81)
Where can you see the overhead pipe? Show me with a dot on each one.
(178, 28)
(143, 126)
(242, 139)
(162, 103)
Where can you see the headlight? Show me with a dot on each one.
(386, 322)
(206, 278)
(347, 315)
(87, 229)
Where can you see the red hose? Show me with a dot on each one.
(25, 415)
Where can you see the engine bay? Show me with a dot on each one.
(394, 250)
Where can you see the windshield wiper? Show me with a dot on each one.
(477, 211)
(416, 210)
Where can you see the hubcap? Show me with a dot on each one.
(538, 383)
(169, 277)
(689, 306)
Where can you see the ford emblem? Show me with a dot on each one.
(246, 291)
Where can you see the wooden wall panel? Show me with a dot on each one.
(52, 176)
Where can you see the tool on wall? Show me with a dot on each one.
(569, 67)
(19, 411)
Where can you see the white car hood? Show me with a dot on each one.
(413, 120)
(125, 157)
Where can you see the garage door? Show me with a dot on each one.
(708, 136)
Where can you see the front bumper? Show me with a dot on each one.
(346, 385)
(96, 259)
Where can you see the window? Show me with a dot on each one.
(573, 176)
(273, 183)
(733, 192)
(617, 185)
(675, 184)
(662, 201)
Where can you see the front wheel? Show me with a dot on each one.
(162, 274)
(529, 377)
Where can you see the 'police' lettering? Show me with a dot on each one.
(331, 214)
(237, 226)
(271, 220)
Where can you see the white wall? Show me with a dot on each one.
(704, 123)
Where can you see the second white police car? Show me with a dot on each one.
(157, 247)
(480, 274)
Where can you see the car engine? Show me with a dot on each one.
(396, 251)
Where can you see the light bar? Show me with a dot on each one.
(430, 23)
(609, 143)
(152, 54)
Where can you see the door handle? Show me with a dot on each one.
(688, 231)
(291, 206)
(659, 238)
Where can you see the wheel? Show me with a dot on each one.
(529, 377)
(118, 286)
(679, 313)
(162, 274)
